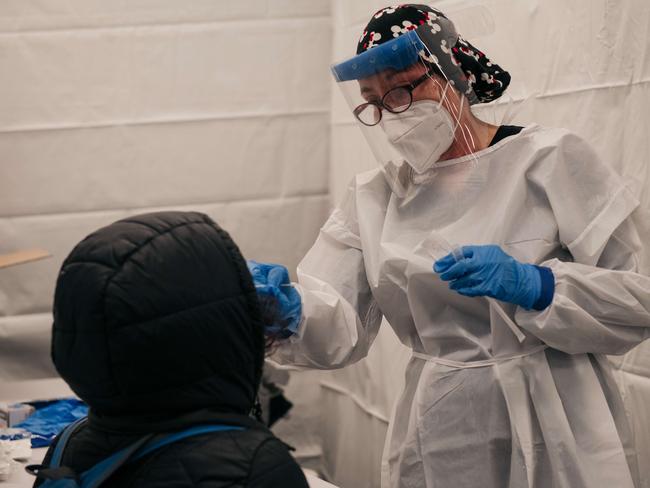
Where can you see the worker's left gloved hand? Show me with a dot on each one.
(272, 283)
(489, 271)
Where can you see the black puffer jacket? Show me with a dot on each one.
(157, 328)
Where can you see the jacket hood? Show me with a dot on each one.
(158, 314)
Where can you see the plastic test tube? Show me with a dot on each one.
(457, 252)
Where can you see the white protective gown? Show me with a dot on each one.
(481, 408)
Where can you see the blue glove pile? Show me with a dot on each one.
(272, 282)
(46, 423)
(489, 271)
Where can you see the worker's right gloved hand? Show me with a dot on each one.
(273, 284)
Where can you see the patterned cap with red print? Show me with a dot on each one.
(486, 79)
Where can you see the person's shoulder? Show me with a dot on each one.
(342, 223)
(560, 158)
(554, 138)
(239, 443)
(368, 176)
(552, 150)
(228, 458)
(272, 465)
(254, 454)
(371, 178)
(372, 182)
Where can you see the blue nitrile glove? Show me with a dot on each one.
(272, 281)
(489, 271)
(46, 423)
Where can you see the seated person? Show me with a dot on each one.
(158, 327)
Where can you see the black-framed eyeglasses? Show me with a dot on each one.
(396, 100)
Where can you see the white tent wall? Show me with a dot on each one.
(583, 65)
(112, 108)
(108, 109)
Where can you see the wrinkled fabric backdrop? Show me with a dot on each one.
(108, 109)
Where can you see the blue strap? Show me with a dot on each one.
(201, 429)
(62, 483)
(62, 442)
(99, 473)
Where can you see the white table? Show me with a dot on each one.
(19, 477)
(18, 391)
(56, 388)
(315, 482)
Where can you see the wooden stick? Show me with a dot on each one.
(24, 256)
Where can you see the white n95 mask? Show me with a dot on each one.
(421, 134)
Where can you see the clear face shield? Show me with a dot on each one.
(411, 101)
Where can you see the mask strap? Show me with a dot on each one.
(458, 117)
(462, 130)
(448, 108)
(443, 97)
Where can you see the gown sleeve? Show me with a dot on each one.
(340, 316)
(601, 302)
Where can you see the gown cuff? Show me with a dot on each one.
(548, 288)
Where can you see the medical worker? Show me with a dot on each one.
(506, 258)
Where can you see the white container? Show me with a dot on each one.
(17, 443)
(6, 462)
